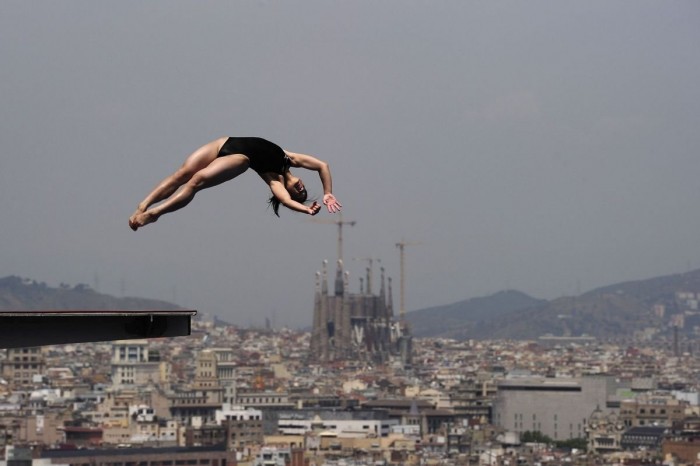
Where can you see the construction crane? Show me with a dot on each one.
(340, 222)
(370, 261)
(402, 309)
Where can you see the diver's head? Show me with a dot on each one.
(295, 188)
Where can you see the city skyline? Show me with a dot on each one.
(591, 402)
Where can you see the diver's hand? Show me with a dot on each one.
(315, 208)
(332, 203)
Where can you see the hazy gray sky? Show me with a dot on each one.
(544, 146)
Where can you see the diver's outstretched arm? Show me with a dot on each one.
(324, 172)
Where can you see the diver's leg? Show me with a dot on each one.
(195, 162)
(218, 171)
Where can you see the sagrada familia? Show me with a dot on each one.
(357, 327)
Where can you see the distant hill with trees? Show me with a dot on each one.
(23, 294)
(610, 311)
(458, 320)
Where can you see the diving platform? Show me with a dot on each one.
(55, 327)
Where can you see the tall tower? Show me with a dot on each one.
(339, 270)
(402, 283)
(369, 270)
(405, 340)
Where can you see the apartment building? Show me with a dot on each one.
(22, 365)
(649, 409)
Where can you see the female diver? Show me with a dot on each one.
(226, 158)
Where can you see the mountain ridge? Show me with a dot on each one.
(23, 294)
(611, 311)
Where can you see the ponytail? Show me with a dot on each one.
(275, 204)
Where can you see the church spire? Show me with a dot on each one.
(324, 278)
(339, 287)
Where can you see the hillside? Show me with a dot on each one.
(18, 293)
(459, 319)
(611, 311)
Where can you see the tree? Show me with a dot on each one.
(577, 443)
(535, 437)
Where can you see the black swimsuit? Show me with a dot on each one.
(264, 155)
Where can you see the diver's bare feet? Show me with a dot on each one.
(141, 219)
(132, 219)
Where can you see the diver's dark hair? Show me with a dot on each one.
(275, 204)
